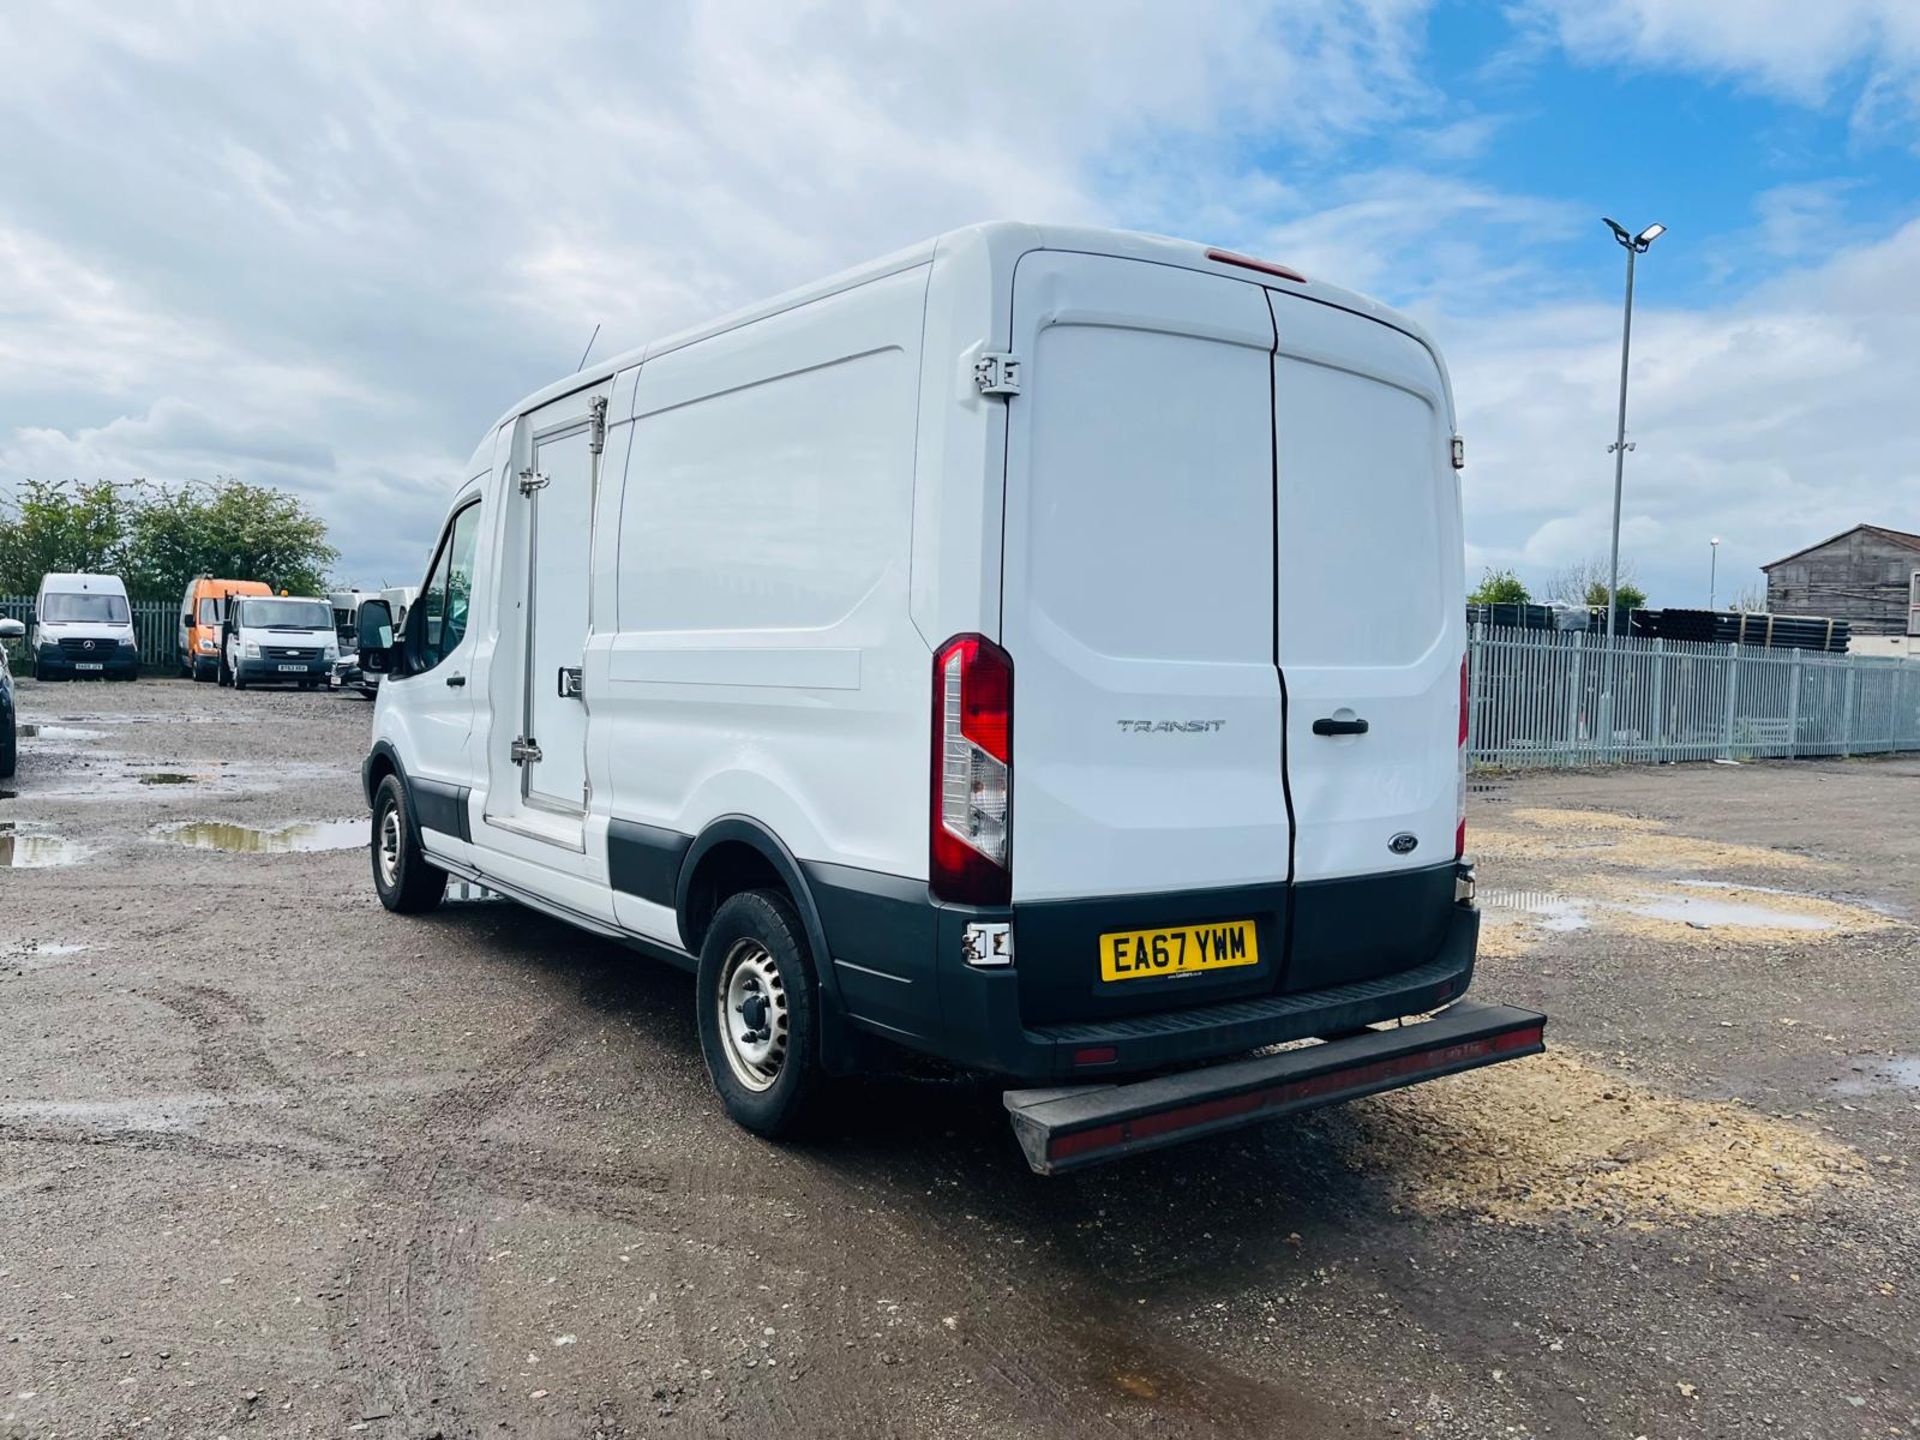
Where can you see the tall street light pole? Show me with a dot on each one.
(1713, 571)
(1635, 246)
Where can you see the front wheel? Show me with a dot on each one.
(9, 747)
(759, 1014)
(409, 883)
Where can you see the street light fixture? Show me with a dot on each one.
(1635, 246)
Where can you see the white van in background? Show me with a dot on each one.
(83, 629)
(279, 640)
(1041, 649)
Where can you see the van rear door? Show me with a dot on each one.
(1138, 609)
(1372, 630)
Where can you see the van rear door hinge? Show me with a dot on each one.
(524, 751)
(597, 440)
(532, 480)
(997, 372)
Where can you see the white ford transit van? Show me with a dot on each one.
(278, 639)
(1041, 649)
(83, 627)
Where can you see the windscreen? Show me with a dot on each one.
(286, 615)
(64, 607)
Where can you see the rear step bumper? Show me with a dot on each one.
(1069, 1128)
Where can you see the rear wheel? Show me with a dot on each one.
(409, 883)
(759, 1014)
(9, 746)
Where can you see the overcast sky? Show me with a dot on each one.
(323, 246)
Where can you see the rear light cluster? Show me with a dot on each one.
(1460, 805)
(972, 772)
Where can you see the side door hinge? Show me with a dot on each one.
(997, 372)
(524, 751)
(598, 435)
(532, 480)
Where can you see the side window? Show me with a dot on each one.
(209, 610)
(446, 598)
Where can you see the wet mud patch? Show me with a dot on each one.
(18, 957)
(1556, 1136)
(38, 731)
(300, 836)
(1703, 913)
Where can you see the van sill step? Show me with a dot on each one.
(1063, 1129)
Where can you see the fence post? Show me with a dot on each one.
(1574, 692)
(1846, 716)
(1793, 706)
(1733, 696)
(1659, 736)
(1476, 666)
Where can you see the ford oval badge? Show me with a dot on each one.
(1403, 843)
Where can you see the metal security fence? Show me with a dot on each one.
(156, 625)
(1543, 697)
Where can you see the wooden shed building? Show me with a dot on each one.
(1864, 575)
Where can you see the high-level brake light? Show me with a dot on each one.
(1265, 267)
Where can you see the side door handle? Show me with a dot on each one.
(456, 681)
(1327, 725)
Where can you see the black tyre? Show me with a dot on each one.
(9, 747)
(759, 1014)
(40, 672)
(238, 682)
(408, 882)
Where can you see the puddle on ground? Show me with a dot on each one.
(30, 850)
(1702, 914)
(302, 835)
(1553, 911)
(1872, 1073)
(20, 956)
(170, 777)
(57, 732)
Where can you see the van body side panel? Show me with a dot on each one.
(763, 661)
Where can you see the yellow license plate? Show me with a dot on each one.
(1183, 950)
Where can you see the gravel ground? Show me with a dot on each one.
(275, 1162)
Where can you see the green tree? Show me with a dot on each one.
(61, 527)
(1500, 587)
(1632, 597)
(228, 528)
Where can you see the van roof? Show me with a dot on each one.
(77, 580)
(1004, 240)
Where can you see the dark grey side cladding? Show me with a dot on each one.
(882, 931)
(442, 807)
(644, 860)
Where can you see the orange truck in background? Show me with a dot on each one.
(201, 610)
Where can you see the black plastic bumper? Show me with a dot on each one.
(1069, 1129)
(113, 661)
(982, 1024)
(267, 672)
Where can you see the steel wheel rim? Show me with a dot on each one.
(754, 1016)
(387, 846)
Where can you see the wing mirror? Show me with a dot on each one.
(373, 631)
(12, 630)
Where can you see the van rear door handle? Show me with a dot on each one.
(456, 681)
(1327, 725)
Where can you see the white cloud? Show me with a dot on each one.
(1772, 422)
(374, 227)
(1788, 47)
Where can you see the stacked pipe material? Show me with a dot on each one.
(1512, 617)
(1757, 628)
